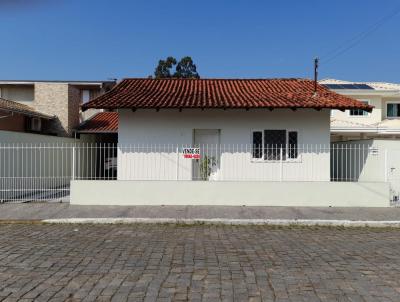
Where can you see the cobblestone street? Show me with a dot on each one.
(199, 263)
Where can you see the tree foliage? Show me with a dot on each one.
(185, 68)
(163, 70)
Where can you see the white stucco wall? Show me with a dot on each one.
(168, 128)
(232, 193)
(381, 161)
(377, 114)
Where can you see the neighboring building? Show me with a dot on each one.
(102, 126)
(382, 123)
(15, 116)
(60, 100)
(378, 131)
(242, 126)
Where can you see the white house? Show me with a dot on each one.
(383, 122)
(239, 125)
(253, 141)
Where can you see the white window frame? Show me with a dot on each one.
(386, 111)
(287, 159)
(368, 101)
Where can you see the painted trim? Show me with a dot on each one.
(363, 130)
(355, 92)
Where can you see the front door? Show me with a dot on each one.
(207, 167)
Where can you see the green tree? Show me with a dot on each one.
(184, 69)
(163, 69)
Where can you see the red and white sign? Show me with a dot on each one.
(191, 153)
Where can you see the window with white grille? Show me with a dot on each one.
(270, 144)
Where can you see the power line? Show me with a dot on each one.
(351, 43)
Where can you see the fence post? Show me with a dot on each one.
(73, 163)
(281, 165)
(386, 165)
(177, 162)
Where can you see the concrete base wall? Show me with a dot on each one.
(232, 193)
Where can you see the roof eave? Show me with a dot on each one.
(31, 114)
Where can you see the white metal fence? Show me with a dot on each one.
(44, 171)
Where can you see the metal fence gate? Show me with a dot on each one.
(43, 172)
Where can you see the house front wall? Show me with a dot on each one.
(150, 144)
(376, 116)
(388, 126)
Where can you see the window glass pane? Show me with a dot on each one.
(85, 96)
(390, 110)
(359, 112)
(292, 141)
(257, 144)
(393, 110)
(274, 141)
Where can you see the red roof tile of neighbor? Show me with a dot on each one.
(222, 93)
(102, 122)
(12, 106)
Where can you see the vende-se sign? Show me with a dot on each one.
(193, 153)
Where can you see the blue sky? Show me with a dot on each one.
(77, 39)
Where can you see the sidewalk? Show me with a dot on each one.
(64, 212)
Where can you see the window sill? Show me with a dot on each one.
(266, 161)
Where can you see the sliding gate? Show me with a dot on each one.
(43, 172)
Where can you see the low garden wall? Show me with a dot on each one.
(230, 193)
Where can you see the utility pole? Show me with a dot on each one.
(316, 64)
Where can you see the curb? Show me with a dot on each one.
(223, 221)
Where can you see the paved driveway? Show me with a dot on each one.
(208, 263)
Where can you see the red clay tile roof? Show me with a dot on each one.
(11, 106)
(102, 122)
(222, 93)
